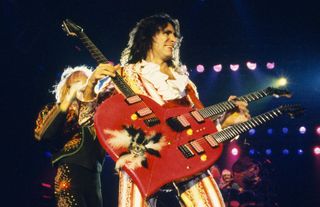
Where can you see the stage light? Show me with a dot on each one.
(234, 67)
(251, 65)
(299, 151)
(281, 82)
(200, 68)
(316, 150)
(252, 152)
(270, 65)
(234, 151)
(270, 131)
(285, 151)
(268, 151)
(217, 68)
(318, 130)
(285, 130)
(302, 130)
(252, 131)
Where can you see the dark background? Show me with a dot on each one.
(35, 50)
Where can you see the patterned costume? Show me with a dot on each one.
(76, 153)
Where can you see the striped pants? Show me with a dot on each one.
(200, 191)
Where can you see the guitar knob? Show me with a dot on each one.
(134, 117)
(189, 132)
(203, 157)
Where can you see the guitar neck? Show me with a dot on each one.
(217, 109)
(100, 58)
(237, 129)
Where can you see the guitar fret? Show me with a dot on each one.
(257, 96)
(253, 98)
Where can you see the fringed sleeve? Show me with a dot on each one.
(49, 122)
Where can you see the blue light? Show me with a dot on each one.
(285, 151)
(299, 151)
(270, 131)
(251, 152)
(252, 131)
(47, 154)
(268, 151)
(285, 130)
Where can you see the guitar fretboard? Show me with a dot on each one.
(100, 58)
(214, 110)
(238, 129)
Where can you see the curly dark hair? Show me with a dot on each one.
(140, 39)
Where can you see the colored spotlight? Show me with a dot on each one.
(234, 67)
(251, 65)
(281, 82)
(302, 130)
(268, 151)
(270, 65)
(252, 131)
(318, 130)
(200, 68)
(252, 152)
(300, 152)
(234, 151)
(217, 68)
(270, 131)
(285, 151)
(285, 130)
(316, 150)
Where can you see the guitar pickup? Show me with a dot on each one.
(197, 147)
(144, 112)
(178, 123)
(186, 151)
(133, 99)
(212, 142)
(197, 116)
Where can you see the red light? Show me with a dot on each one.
(46, 185)
(316, 150)
(318, 130)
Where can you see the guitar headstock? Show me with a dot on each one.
(293, 110)
(71, 28)
(278, 92)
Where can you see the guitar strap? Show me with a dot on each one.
(193, 97)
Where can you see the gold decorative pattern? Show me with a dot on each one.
(62, 188)
(72, 144)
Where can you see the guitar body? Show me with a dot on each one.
(114, 114)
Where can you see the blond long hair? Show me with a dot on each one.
(62, 87)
